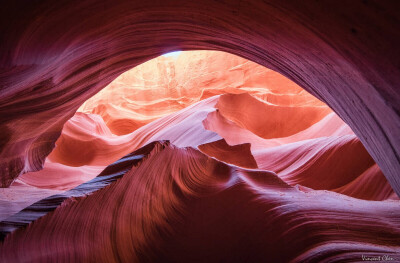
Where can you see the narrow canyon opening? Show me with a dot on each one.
(229, 108)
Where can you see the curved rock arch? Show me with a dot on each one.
(57, 54)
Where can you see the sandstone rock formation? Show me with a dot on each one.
(195, 208)
(56, 55)
(204, 156)
(266, 153)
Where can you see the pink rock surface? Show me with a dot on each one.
(195, 208)
(56, 55)
(254, 169)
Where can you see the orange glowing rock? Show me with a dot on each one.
(165, 85)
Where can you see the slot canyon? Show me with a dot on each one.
(200, 131)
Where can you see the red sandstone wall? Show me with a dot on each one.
(55, 55)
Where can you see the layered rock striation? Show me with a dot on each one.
(56, 55)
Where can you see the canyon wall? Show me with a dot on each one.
(55, 55)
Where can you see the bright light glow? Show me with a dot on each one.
(173, 54)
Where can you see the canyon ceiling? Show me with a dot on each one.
(55, 55)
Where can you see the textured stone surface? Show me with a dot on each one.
(56, 54)
(195, 208)
(249, 156)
